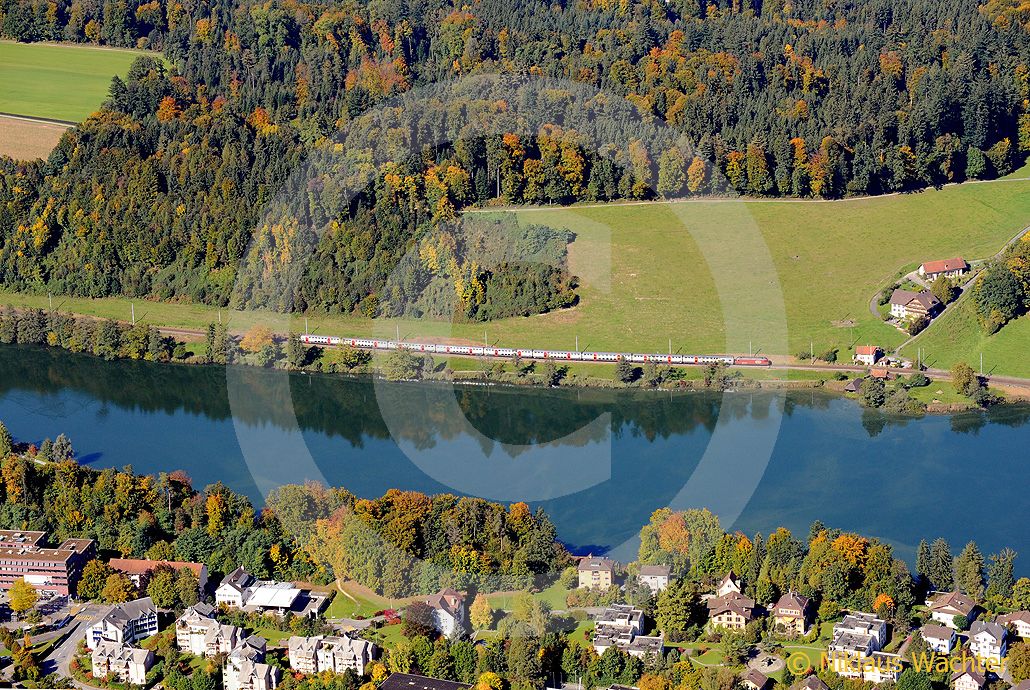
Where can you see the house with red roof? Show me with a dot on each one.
(949, 268)
(868, 354)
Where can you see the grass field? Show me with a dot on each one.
(26, 139)
(958, 337)
(778, 277)
(58, 82)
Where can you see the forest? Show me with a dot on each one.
(401, 543)
(292, 154)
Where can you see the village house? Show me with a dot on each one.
(868, 354)
(197, 632)
(949, 268)
(728, 585)
(855, 649)
(790, 614)
(906, 304)
(939, 638)
(733, 611)
(969, 678)
(1019, 621)
(812, 682)
(944, 606)
(854, 385)
(622, 626)
(139, 570)
(448, 611)
(124, 623)
(596, 573)
(754, 680)
(311, 655)
(882, 374)
(120, 661)
(654, 577)
(988, 640)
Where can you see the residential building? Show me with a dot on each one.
(940, 638)
(906, 304)
(868, 354)
(733, 611)
(334, 654)
(241, 590)
(622, 626)
(791, 614)
(944, 606)
(881, 373)
(197, 632)
(139, 569)
(655, 577)
(596, 573)
(969, 678)
(855, 649)
(245, 668)
(232, 590)
(621, 616)
(949, 268)
(729, 585)
(1018, 621)
(988, 640)
(754, 680)
(448, 611)
(410, 681)
(124, 623)
(119, 660)
(23, 554)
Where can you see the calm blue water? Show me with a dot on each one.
(598, 461)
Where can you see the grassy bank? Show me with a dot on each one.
(958, 337)
(645, 280)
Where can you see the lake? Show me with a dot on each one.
(598, 461)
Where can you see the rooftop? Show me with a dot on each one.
(410, 681)
(945, 265)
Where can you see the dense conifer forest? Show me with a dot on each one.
(305, 155)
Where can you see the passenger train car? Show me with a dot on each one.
(559, 355)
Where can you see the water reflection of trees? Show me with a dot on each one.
(349, 408)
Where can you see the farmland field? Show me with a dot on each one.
(23, 139)
(58, 82)
(708, 276)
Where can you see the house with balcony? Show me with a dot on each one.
(119, 661)
(124, 623)
(596, 573)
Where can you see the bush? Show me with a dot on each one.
(917, 325)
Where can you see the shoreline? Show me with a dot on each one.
(444, 374)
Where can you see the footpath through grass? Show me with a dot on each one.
(59, 82)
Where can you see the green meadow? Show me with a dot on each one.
(776, 277)
(58, 82)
